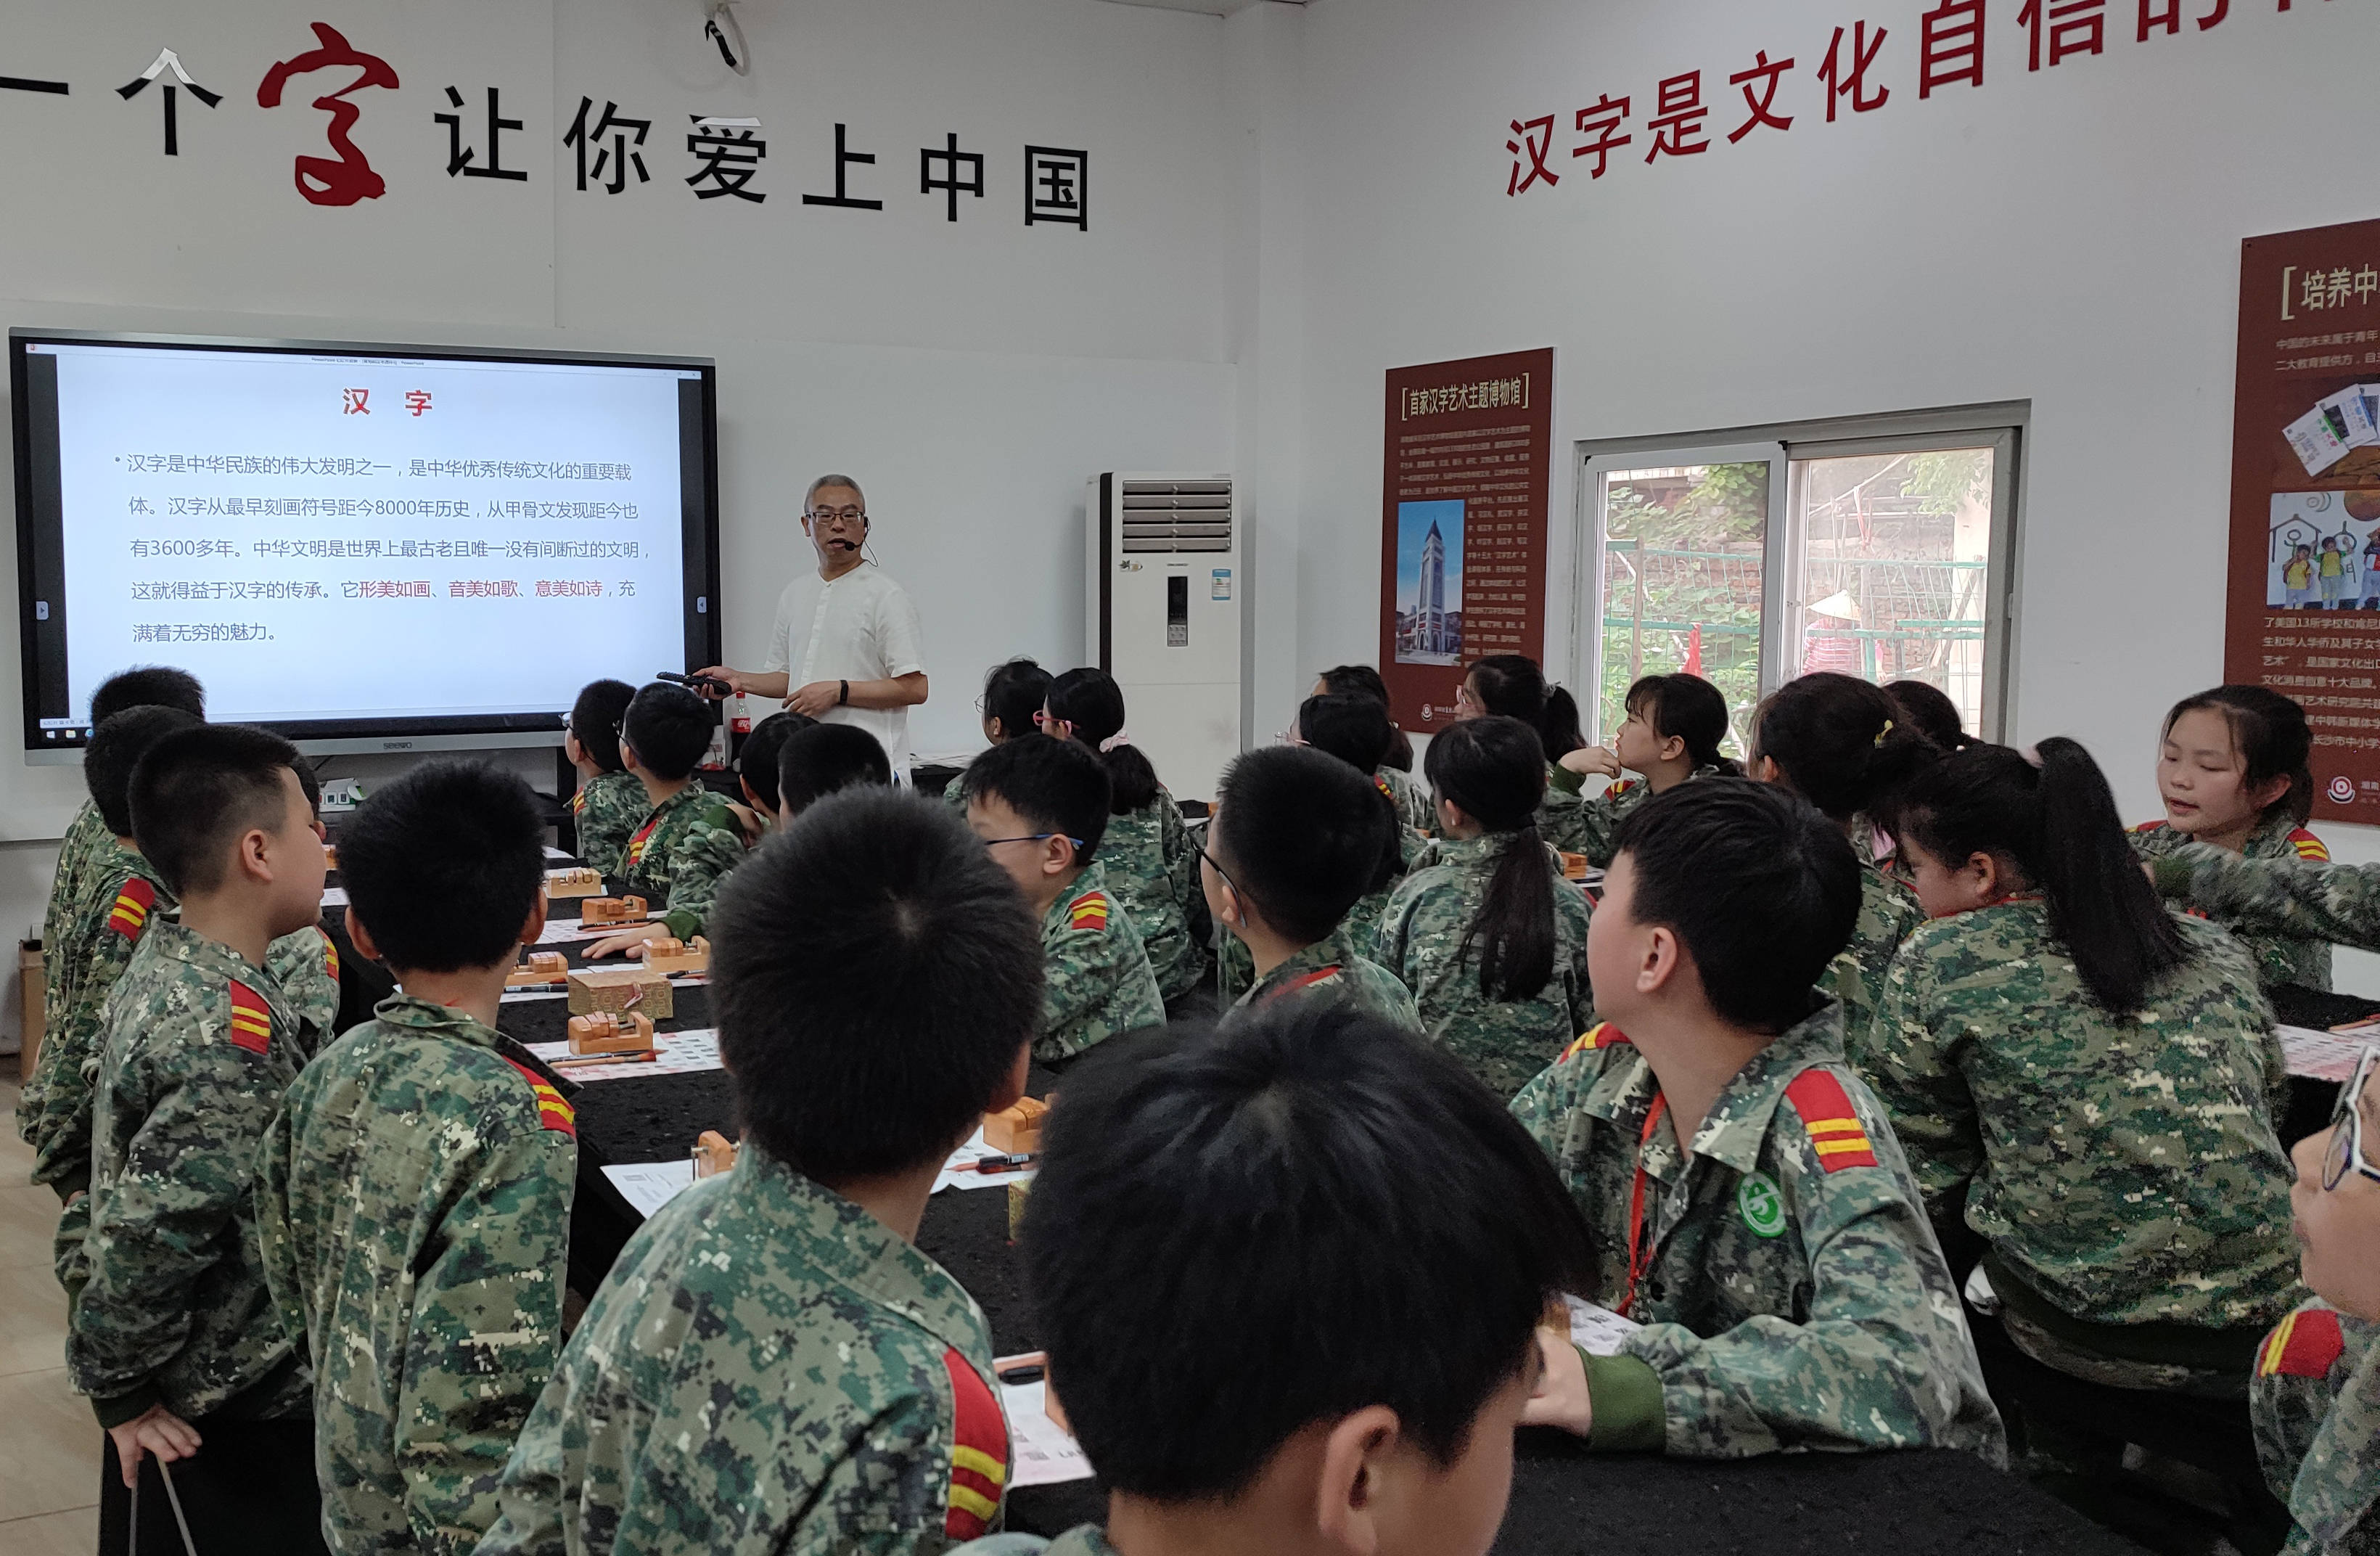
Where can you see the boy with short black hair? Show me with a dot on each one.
(413, 1196)
(1297, 839)
(771, 1366)
(173, 1335)
(1317, 1193)
(610, 801)
(305, 965)
(2315, 1395)
(689, 840)
(755, 761)
(815, 762)
(1752, 1209)
(1041, 808)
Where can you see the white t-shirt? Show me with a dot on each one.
(860, 627)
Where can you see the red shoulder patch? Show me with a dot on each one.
(2308, 847)
(1603, 1034)
(978, 1452)
(133, 901)
(1621, 787)
(1088, 911)
(554, 1111)
(2305, 1345)
(251, 1019)
(330, 952)
(1830, 1120)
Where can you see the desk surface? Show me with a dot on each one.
(1564, 1501)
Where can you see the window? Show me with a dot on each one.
(1749, 560)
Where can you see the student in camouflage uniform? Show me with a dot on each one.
(610, 801)
(820, 759)
(1414, 806)
(1297, 836)
(1751, 1207)
(1838, 742)
(1146, 852)
(413, 1196)
(1010, 707)
(771, 1366)
(1041, 808)
(690, 840)
(173, 1335)
(1490, 937)
(2084, 1080)
(1672, 734)
(2300, 897)
(2315, 1397)
(1513, 687)
(1312, 1190)
(2233, 772)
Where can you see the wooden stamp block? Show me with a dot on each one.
(713, 1153)
(611, 910)
(579, 881)
(621, 989)
(542, 966)
(1017, 1131)
(673, 957)
(1574, 867)
(607, 1031)
(330, 855)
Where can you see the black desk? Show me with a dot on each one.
(1564, 1501)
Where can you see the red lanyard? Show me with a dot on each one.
(1640, 1258)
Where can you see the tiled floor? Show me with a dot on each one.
(49, 1445)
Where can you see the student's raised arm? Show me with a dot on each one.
(2333, 902)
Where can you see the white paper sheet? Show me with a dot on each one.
(1597, 1331)
(649, 1186)
(974, 1150)
(334, 896)
(553, 853)
(1042, 1454)
(681, 1054)
(566, 932)
(2324, 1055)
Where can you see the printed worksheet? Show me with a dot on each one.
(1044, 1452)
(649, 1186)
(681, 1054)
(956, 1173)
(1597, 1331)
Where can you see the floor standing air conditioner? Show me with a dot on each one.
(1165, 588)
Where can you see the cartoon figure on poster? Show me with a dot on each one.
(1429, 582)
(2325, 551)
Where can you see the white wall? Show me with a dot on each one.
(973, 374)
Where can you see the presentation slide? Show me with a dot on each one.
(339, 540)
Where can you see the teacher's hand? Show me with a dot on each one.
(816, 699)
(734, 678)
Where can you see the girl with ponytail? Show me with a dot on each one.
(1488, 936)
(2235, 771)
(1674, 727)
(1513, 687)
(1150, 864)
(2084, 1081)
(1841, 744)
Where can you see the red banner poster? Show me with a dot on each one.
(1468, 455)
(2303, 610)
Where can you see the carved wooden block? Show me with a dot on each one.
(611, 910)
(672, 956)
(1017, 1131)
(606, 1031)
(621, 989)
(713, 1153)
(577, 881)
(542, 966)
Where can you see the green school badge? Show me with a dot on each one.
(1757, 1201)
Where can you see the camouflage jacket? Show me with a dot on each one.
(196, 1048)
(1591, 825)
(768, 1369)
(413, 1202)
(305, 966)
(86, 836)
(1097, 980)
(1414, 808)
(1889, 911)
(87, 955)
(1153, 872)
(606, 811)
(677, 856)
(1791, 1292)
(2315, 1404)
(1236, 970)
(2125, 1170)
(2280, 958)
(1420, 939)
(2339, 904)
(1330, 969)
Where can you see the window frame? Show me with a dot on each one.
(2001, 427)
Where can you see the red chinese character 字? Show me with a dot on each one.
(1762, 78)
(1602, 120)
(358, 401)
(1534, 136)
(417, 400)
(1854, 83)
(322, 180)
(1952, 50)
(1678, 128)
(2075, 26)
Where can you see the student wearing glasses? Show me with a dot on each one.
(2315, 1397)
(846, 648)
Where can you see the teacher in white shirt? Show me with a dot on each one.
(845, 648)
